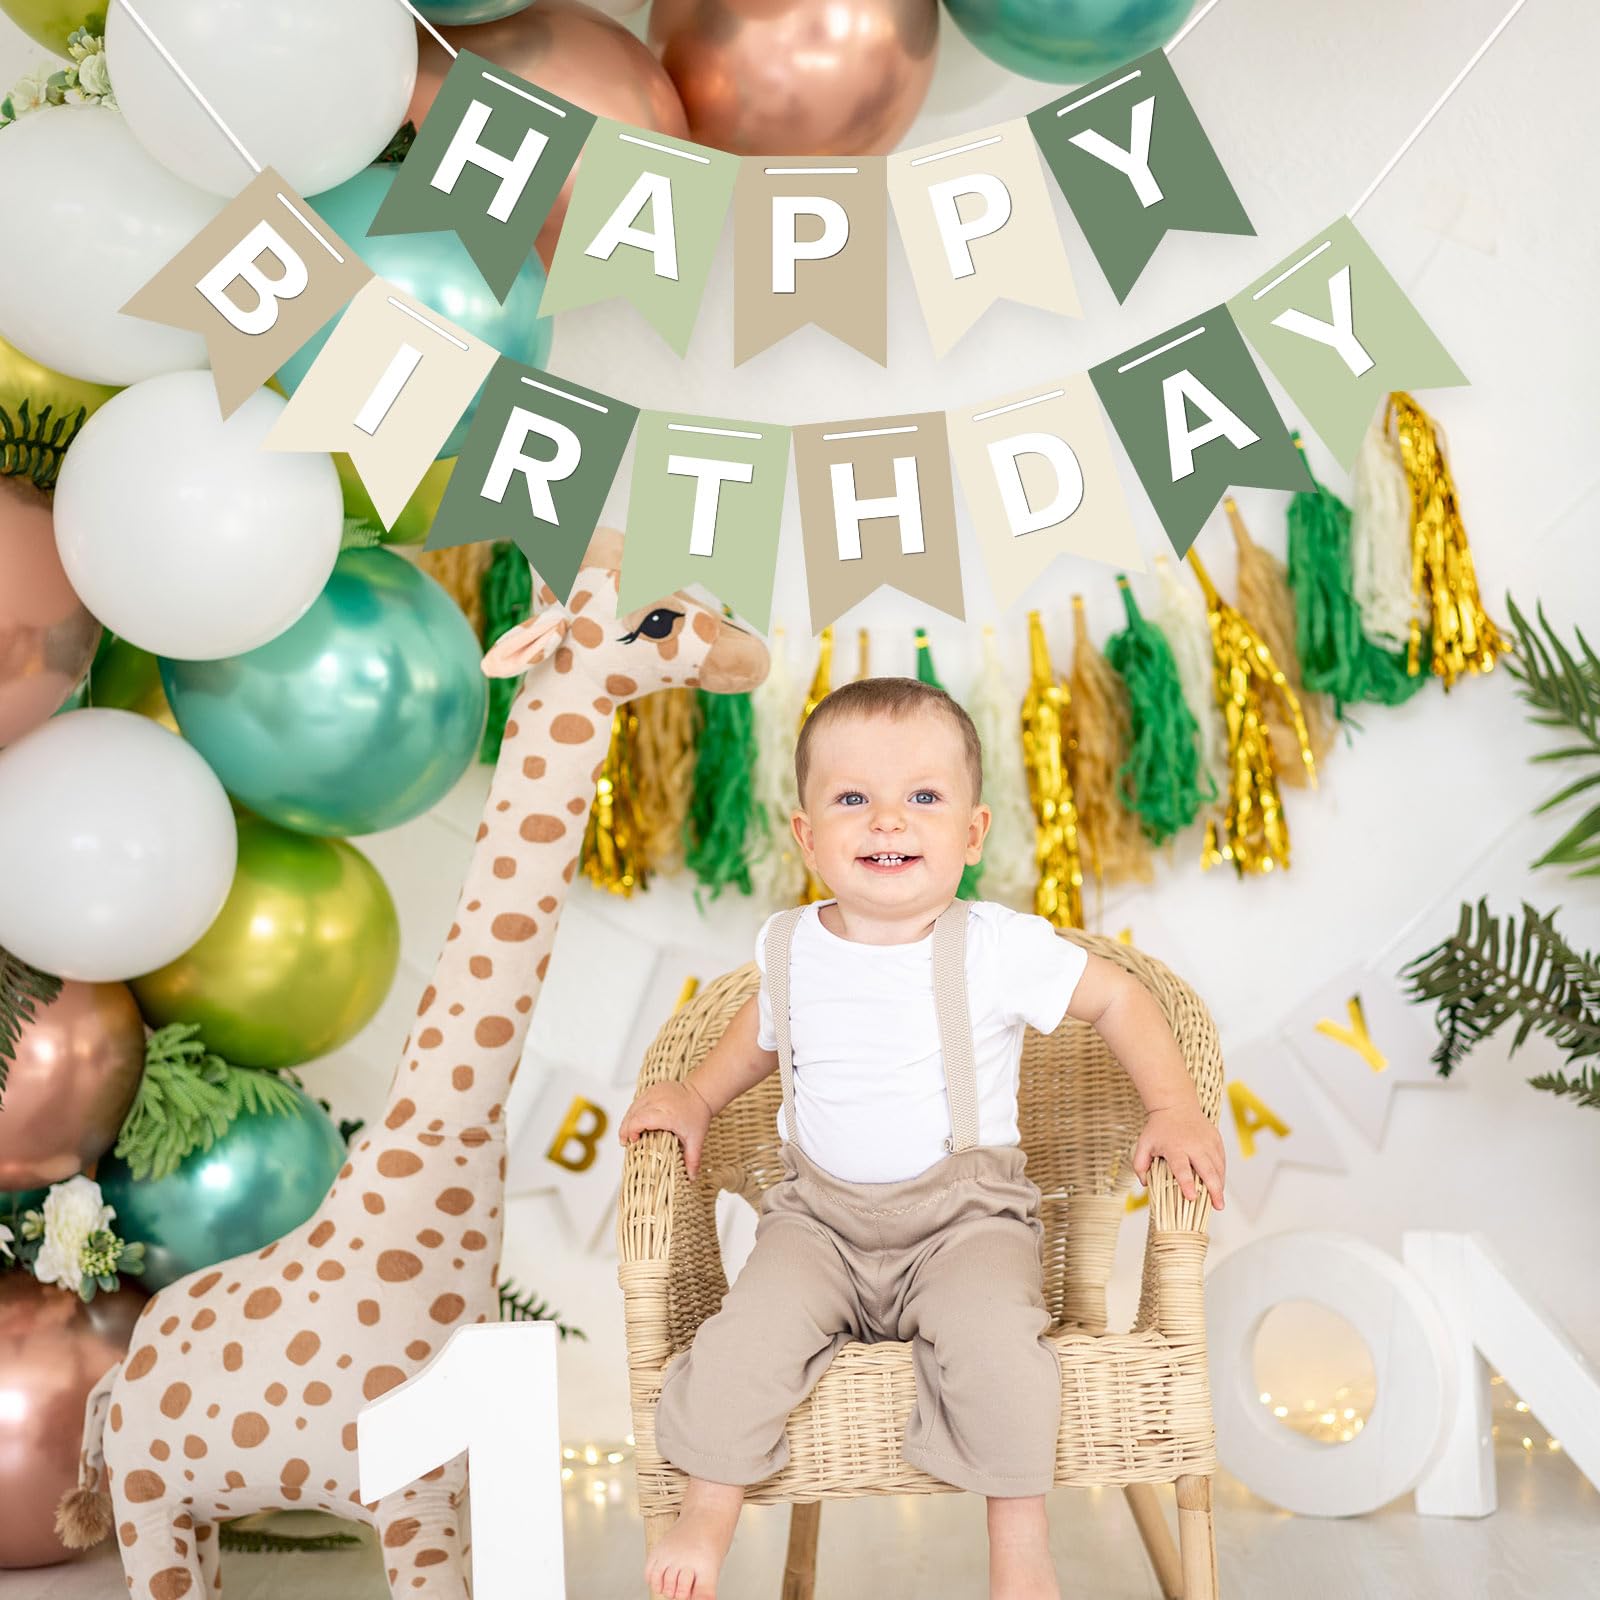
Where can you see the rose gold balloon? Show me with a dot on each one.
(47, 637)
(798, 77)
(575, 52)
(76, 1071)
(53, 1350)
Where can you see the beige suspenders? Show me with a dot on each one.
(950, 1002)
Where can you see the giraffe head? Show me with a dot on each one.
(675, 642)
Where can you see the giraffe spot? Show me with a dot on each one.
(373, 1203)
(541, 828)
(502, 805)
(494, 1031)
(398, 1266)
(160, 1449)
(481, 834)
(418, 1349)
(276, 1394)
(533, 767)
(457, 1009)
(355, 1244)
(431, 1140)
(193, 1446)
(345, 1171)
(430, 1238)
(505, 867)
(566, 871)
(563, 658)
(603, 705)
(318, 1394)
(232, 1480)
(295, 1472)
(342, 1362)
(402, 1112)
(292, 1271)
(302, 1347)
(367, 1310)
(320, 1235)
(203, 1319)
(347, 1437)
(494, 1116)
(429, 1039)
(481, 967)
(128, 1534)
(431, 1558)
(454, 933)
(620, 685)
(524, 1005)
(249, 1429)
(204, 1285)
(588, 632)
(143, 1360)
(168, 1326)
(576, 806)
(429, 995)
(473, 1137)
(143, 1486)
(116, 1419)
(329, 1272)
(580, 598)
(454, 1201)
(262, 1303)
(399, 1163)
(473, 1240)
(213, 1409)
(570, 728)
(380, 1381)
(401, 1532)
(511, 927)
(447, 1308)
(233, 1356)
(176, 1400)
(171, 1583)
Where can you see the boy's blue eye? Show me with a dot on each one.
(928, 792)
(851, 794)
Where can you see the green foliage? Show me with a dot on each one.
(235, 1536)
(517, 1307)
(33, 446)
(187, 1100)
(21, 989)
(399, 147)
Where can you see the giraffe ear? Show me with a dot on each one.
(527, 644)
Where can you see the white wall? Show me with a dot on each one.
(1484, 226)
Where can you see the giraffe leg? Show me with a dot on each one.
(208, 1548)
(159, 1554)
(420, 1533)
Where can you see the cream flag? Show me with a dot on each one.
(979, 226)
(1270, 1119)
(1040, 480)
(392, 381)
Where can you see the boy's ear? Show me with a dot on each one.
(800, 825)
(978, 828)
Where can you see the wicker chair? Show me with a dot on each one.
(1136, 1406)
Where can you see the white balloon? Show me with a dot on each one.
(90, 219)
(184, 536)
(117, 846)
(313, 90)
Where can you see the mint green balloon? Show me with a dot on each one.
(259, 1181)
(1067, 41)
(359, 717)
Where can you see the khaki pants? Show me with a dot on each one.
(949, 1260)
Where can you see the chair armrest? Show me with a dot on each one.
(1172, 1298)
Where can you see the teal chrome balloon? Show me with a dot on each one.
(259, 1181)
(1067, 41)
(458, 13)
(359, 717)
(435, 269)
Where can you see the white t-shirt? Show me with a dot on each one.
(869, 1089)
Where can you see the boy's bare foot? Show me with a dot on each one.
(1020, 1566)
(684, 1565)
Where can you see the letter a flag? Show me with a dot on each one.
(877, 506)
(536, 468)
(1194, 416)
(1135, 164)
(391, 382)
(488, 163)
(811, 244)
(1339, 334)
(255, 283)
(705, 507)
(978, 226)
(643, 222)
(1040, 480)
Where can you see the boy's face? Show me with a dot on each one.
(888, 819)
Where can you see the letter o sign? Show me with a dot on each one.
(1411, 1356)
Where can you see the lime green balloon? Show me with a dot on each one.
(52, 22)
(298, 960)
(411, 526)
(259, 1181)
(127, 678)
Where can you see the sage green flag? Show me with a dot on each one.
(1194, 416)
(705, 507)
(536, 468)
(1134, 163)
(488, 163)
(1339, 334)
(643, 222)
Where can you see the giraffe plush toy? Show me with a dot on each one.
(241, 1385)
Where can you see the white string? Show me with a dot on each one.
(189, 84)
(438, 37)
(1459, 78)
(1183, 32)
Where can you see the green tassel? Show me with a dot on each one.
(507, 600)
(721, 812)
(1336, 657)
(967, 889)
(1159, 782)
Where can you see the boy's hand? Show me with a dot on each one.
(1190, 1145)
(678, 1109)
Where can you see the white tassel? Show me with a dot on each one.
(1380, 540)
(1181, 616)
(777, 872)
(995, 706)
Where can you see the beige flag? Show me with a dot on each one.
(876, 507)
(811, 244)
(1040, 479)
(256, 282)
(979, 226)
(392, 381)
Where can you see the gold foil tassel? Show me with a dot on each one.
(664, 756)
(1257, 831)
(821, 682)
(1442, 575)
(863, 654)
(1058, 893)
(611, 841)
(459, 572)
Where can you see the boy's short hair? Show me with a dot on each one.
(887, 697)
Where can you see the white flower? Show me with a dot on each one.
(93, 78)
(29, 91)
(6, 1236)
(72, 1211)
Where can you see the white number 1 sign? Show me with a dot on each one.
(492, 1393)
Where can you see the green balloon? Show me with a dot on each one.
(127, 678)
(1067, 41)
(52, 22)
(259, 1181)
(297, 961)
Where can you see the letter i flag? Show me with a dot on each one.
(1195, 417)
(255, 283)
(488, 162)
(537, 465)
